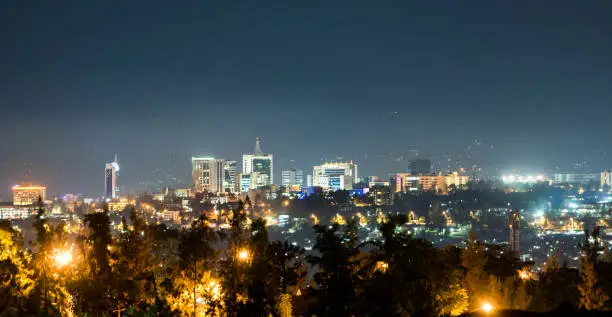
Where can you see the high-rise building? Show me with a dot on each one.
(291, 177)
(111, 172)
(335, 176)
(24, 195)
(229, 177)
(258, 162)
(419, 166)
(208, 174)
(606, 179)
(514, 223)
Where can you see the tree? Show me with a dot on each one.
(133, 266)
(16, 278)
(592, 297)
(237, 257)
(196, 258)
(335, 266)
(473, 260)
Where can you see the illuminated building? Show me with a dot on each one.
(456, 180)
(526, 179)
(25, 195)
(260, 163)
(419, 166)
(406, 182)
(432, 183)
(10, 211)
(335, 176)
(573, 178)
(514, 224)
(381, 195)
(207, 174)
(248, 181)
(229, 177)
(111, 172)
(292, 178)
(606, 179)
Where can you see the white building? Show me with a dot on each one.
(606, 179)
(208, 174)
(335, 176)
(258, 162)
(111, 172)
(291, 177)
(573, 178)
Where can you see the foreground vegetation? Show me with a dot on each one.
(150, 270)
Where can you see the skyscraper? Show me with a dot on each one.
(260, 163)
(208, 174)
(111, 172)
(514, 223)
(419, 166)
(229, 177)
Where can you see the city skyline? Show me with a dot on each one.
(522, 85)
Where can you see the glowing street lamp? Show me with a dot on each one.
(62, 258)
(487, 307)
(244, 255)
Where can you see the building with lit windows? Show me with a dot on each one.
(27, 195)
(248, 181)
(229, 177)
(407, 182)
(260, 163)
(111, 172)
(292, 178)
(208, 174)
(10, 211)
(574, 178)
(606, 179)
(335, 175)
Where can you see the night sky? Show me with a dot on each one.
(500, 84)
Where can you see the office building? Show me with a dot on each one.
(248, 181)
(229, 177)
(208, 174)
(335, 176)
(292, 178)
(111, 173)
(574, 178)
(419, 166)
(260, 163)
(606, 179)
(407, 182)
(27, 195)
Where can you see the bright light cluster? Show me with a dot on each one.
(523, 178)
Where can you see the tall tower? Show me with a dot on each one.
(111, 172)
(260, 163)
(514, 223)
(208, 174)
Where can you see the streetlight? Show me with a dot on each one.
(486, 307)
(62, 258)
(244, 255)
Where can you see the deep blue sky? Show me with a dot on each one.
(160, 81)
